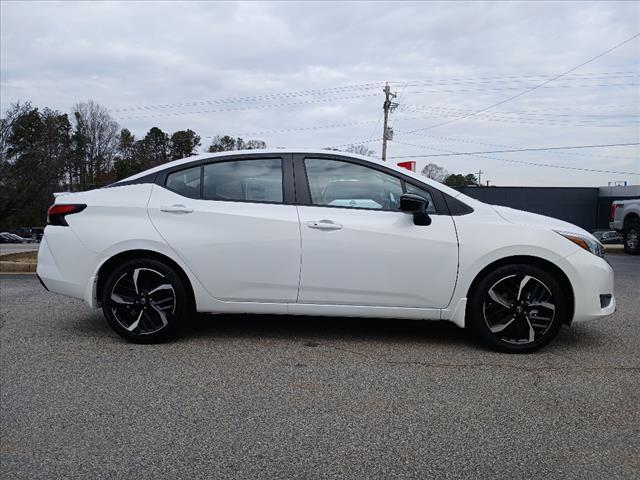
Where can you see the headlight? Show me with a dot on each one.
(589, 244)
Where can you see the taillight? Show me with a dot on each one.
(56, 213)
(613, 211)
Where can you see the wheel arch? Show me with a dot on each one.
(542, 263)
(113, 262)
(630, 218)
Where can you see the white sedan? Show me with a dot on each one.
(318, 233)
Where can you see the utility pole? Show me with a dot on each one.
(480, 177)
(388, 106)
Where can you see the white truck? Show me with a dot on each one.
(625, 218)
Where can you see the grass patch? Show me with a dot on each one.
(20, 257)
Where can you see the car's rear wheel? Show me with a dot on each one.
(632, 238)
(517, 308)
(144, 300)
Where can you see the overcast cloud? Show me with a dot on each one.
(447, 59)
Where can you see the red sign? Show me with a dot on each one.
(410, 165)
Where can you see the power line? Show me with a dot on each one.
(535, 164)
(255, 98)
(364, 86)
(529, 90)
(474, 142)
(571, 76)
(518, 87)
(297, 129)
(521, 150)
(252, 107)
(500, 118)
(537, 113)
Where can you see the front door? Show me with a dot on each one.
(359, 249)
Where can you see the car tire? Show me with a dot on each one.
(631, 238)
(144, 300)
(517, 308)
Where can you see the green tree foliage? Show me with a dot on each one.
(153, 149)
(459, 180)
(183, 144)
(36, 146)
(127, 162)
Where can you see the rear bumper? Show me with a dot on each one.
(65, 273)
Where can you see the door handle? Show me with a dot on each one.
(178, 209)
(324, 225)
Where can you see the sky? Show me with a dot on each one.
(311, 74)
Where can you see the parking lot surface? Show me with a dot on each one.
(271, 397)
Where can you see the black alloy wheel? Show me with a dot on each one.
(632, 239)
(143, 300)
(517, 308)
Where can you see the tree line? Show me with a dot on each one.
(439, 174)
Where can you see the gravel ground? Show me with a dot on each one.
(272, 397)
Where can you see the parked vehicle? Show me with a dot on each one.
(625, 218)
(318, 233)
(11, 238)
(610, 237)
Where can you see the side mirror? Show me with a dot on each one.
(416, 206)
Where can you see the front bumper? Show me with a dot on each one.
(591, 278)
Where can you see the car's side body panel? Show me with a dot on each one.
(377, 258)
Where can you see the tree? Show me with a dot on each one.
(94, 144)
(459, 180)
(360, 150)
(253, 145)
(227, 143)
(183, 143)
(35, 151)
(435, 172)
(126, 163)
(7, 123)
(153, 149)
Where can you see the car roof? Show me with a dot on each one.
(323, 152)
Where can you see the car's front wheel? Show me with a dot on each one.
(517, 308)
(144, 300)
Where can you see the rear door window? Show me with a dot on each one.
(255, 180)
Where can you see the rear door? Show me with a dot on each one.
(359, 249)
(229, 220)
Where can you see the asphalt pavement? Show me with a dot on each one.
(271, 397)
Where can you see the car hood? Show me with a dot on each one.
(520, 217)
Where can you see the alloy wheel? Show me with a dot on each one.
(519, 309)
(142, 301)
(632, 239)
